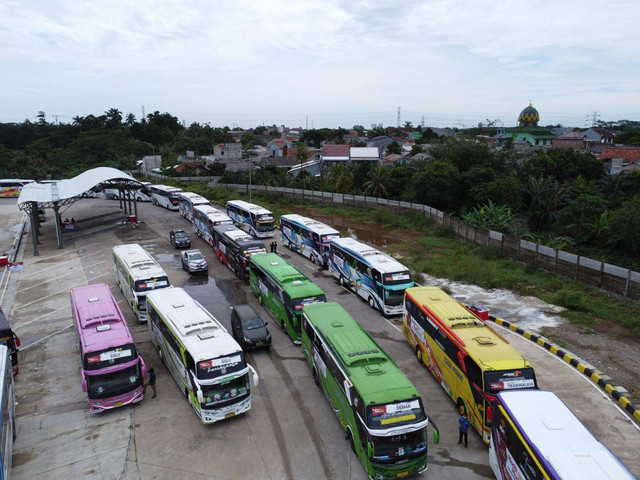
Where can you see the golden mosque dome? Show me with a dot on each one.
(529, 117)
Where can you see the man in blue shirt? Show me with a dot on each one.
(464, 428)
(151, 382)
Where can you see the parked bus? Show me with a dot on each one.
(470, 360)
(7, 413)
(112, 369)
(283, 290)
(188, 200)
(10, 340)
(375, 276)
(306, 236)
(535, 436)
(137, 273)
(379, 408)
(206, 362)
(234, 248)
(251, 218)
(205, 219)
(165, 196)
(10, 187)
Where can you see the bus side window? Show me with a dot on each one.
(307, 328)
(474, 374)
(376, 276)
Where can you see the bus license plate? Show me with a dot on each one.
(229, 415)
(117, 404)
(402, 474)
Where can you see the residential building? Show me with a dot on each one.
(621, 159)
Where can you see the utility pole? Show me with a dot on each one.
(143, 115)
(594, 118)
(307, 128)
(422, 123)
(398, 116)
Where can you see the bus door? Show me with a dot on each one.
(481, 402)
(11, 340)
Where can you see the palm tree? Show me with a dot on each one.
(341, 178)
(113, 118)
(377, 184)
(78, 121)
(544, 197)
(130, 120)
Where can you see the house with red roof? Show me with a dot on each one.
(334, 153)
(621, 159)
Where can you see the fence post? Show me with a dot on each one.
(535, 259)
(627, 283)
(601, 274)
(577, 266)
(555, 263)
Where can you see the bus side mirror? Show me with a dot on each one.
(199, 395)
(436, 431)
(347, 390)
(16, 339)
(143, 368)
(369, 449)
(84, 383)
(256, 378)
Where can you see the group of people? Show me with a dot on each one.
(322, 263)
(274, 247)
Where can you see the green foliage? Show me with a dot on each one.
(394, 148)
(570, 299)
(625, 227)
(490, 217)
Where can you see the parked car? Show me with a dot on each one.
(193, 261)
(248, 328)
(179, 238)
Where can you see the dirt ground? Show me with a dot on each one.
(611, 352)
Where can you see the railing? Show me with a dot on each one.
(611, 278)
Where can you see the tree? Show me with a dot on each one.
(376, 186)
(490, 217)
(394, 148)
(341, 178)
(625, 227)
(359, 130)
(543, 199)
(113, 118)
(437, 185)
(130, 120)
(42, 118)
(416, 149)
(408, 126)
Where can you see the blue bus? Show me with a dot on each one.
(253, 219)
(306, 236)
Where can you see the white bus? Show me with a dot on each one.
(10, 187)
(251, 218)
(378, 278)
(206, 362)
(204, 218)
(165, 196)
(188, 200)
(307, 236)
(137, 273)
(534, 435)
(7, 413)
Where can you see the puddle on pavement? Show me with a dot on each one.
(529, 313)
(216, 295)
(167, 257)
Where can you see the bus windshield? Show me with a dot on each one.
(494, 381)
(151, 284)
(108, 357)
(221, 366)
(114, 383)
(394, 414)
(265, 226)
(298, 303)
(399, 447)
(221, 393)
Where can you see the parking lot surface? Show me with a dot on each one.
(291, 431)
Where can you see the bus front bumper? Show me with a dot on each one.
(212, 416)
(402, 470)
(97, 406)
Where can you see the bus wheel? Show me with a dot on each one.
(350, 438)
(419, 355)
(311, 258)
(161, 356)
(186, 393)
(316, 380)
(461, 408)
(371, 304)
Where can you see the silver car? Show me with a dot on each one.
(193, 261)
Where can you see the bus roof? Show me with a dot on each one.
(369, 255)
(167, 188)
(194, 198)
(479, 340)
(251, 207)
(293, 281)
(99, 321)
(313, 225)
(560, 438)
(212, 212)
(373, 373)
(140, 263)
(196, 328)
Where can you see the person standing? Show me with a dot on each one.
(151, 382)
(464, 423)
(271, 247)
(316, 260)
(275, 247)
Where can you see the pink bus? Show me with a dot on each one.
(112, 368)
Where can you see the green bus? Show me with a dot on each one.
(283, 290)
(378, 407)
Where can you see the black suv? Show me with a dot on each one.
(179, 238)
(248, 328)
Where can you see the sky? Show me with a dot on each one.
(320, 63)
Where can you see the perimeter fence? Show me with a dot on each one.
(611, 278)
